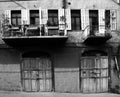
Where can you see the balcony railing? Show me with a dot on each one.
(27, 35)
(30, 31)
(96, 34)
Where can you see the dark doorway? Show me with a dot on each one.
(93, 17)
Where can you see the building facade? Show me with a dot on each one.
(61, 46)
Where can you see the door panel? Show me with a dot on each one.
(36, 74)
(94, 74)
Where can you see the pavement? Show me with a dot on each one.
(54, 94)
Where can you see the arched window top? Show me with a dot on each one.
(94, 53)
(35, 54)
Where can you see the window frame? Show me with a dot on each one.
(17, 16)
(53, 14)
(32, 13)
(78, 12)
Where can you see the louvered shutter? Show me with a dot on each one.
(113, 19)
(101, 21)
(61, 19)
(25, 17)
(68, 19)
(40, 22)
(8, 16)
(84, 18)
(44, 16)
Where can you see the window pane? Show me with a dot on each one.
(107, 18)
(77, 24)
(36, 21)
(34, 17)
(76, 20)
(52, 18)
(16, 17)
(19, 21)
(13, 21)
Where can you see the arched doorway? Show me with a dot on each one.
(94, 72)
(36, 72)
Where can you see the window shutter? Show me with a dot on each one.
(68, 19)
(84, 18)
(25, 17)
(44, 16)
(40, 16)
(113, 19)
(8, 16)
(102, 21)
(61, 19)
(118, 1)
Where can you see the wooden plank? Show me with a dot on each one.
(27, 85)
(34, 85)
(41, 85)
(38, 75)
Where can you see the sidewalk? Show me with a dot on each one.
(54, 94)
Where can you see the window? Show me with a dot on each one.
(34, 17)
(75, 20)
(94, 23)
(107, 18)
(52, 17)
(16, 17)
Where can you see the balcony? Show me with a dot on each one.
(96, 37)
(33, 35)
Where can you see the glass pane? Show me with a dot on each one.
(13, 21)
(36, 21)
(19, 21)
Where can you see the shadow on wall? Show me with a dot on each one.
(116, 89)
(9, 56)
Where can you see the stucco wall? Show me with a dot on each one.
(66, 70)
(10, 78)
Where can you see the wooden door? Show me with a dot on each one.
(94, 74)
(36, 74)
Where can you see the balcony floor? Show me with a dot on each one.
(34, 40)
(96, 40)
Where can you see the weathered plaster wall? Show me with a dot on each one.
(10, 78)
(115, 77)
(66, 70)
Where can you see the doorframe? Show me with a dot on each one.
(52, 71)
(108, 50)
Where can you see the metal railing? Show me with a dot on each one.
(28, 30)
(100, 30)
